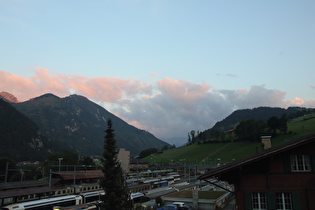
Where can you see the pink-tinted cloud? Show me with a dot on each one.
(103, 89)
(297, 101)
(19, 86)
(168, 108)
(154, 74)
(182, 90)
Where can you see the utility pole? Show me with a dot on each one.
(50, 178)
(75, 168)
(6, 172)
(60, 159)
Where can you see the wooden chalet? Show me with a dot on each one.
(281, 177)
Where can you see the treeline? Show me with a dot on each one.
(151, 151)
(247, 130)
(249, 124)
(301, 113)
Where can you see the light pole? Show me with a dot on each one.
(60, 159)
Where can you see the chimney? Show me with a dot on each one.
(266, 141)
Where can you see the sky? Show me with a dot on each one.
(165, 66)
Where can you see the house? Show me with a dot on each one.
(280, 177)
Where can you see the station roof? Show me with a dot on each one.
(89, 174)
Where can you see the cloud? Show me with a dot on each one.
(311, 86)
(254, 97)
(168, 108)
(227, 75)
(297, 101)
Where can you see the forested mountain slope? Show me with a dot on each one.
(78, 124)
(20, 138)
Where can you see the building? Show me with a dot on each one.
(282, 177)
(124, 159)
(137, 165)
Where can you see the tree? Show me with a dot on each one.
(87, 161)
(164, 148)
(116, 191)
(283, 127)
(273, 124)
(250, 130)
(192, 133)
(147, 152)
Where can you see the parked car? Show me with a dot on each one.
(182, 206)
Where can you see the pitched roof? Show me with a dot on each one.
(90, 174)
(259, 156)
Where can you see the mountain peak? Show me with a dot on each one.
(78, 124)
(8, 97)
(47, 95)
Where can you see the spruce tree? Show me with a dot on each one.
(116, 191)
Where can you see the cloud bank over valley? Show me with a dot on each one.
(166, 107)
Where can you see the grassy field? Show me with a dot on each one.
(212, 154)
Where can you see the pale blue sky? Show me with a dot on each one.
(225, 45)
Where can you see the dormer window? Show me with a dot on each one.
(300, 163)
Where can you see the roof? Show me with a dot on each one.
(24, 184)
(259, 156)
(24, 191)
(90, 174)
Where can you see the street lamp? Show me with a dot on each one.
(60, 159)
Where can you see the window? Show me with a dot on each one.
(259, 201)
(300, 163)
(284, 201)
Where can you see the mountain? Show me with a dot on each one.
(8, 97)
(77, 124)
(20, 138)
(260, 113)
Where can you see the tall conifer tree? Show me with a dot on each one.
(116, 191)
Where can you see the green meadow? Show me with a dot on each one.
(215, 153)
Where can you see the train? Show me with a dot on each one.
(47, 203)
(82, 194)
(89, 200)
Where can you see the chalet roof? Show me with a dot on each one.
(259, 156)
(90, 174)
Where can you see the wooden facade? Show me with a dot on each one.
(282, 177)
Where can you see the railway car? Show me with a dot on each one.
(92, 196)
(77, 207)
(47, 203)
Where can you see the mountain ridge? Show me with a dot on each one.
(78, 124)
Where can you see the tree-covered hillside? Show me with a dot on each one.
(20, 138)
(259, 114)
(78, 124)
